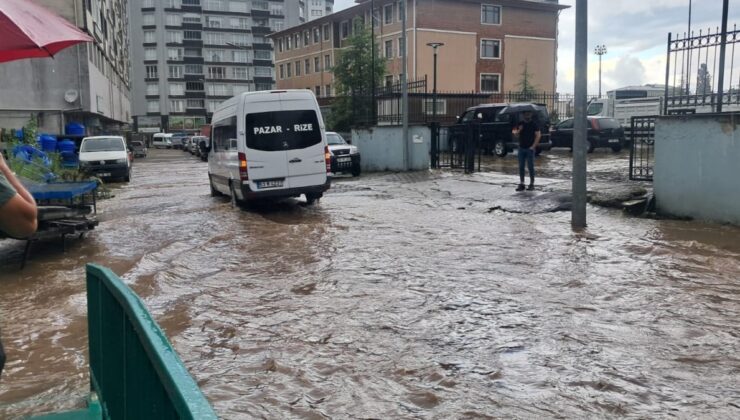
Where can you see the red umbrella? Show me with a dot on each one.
(28, 30)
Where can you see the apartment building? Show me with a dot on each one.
(307, 10)
(188, 56)
(87, 83)
(487, 44)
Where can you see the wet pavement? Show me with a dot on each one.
(398, 296)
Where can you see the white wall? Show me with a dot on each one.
(697, 167)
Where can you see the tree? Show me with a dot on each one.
(527, 90)
(353, 80)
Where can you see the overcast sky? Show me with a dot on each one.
(635, 33)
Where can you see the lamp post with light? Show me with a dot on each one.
(435, 46)
(600, 50)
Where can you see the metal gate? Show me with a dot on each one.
(455, 149)
(642, 152)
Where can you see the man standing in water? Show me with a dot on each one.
(528, 133)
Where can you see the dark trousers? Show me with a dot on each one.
(526, 155)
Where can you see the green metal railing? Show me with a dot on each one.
(133, 368)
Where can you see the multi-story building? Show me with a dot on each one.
(300, 11)
(87, 83)
(487, 44)
(188, 56)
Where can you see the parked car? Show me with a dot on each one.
(162, 141)
(602, 132)
(186, 144)
(195, 144)
(105, 157)
(138, 148)
(177, 141)
(495, 128)
(344, 157)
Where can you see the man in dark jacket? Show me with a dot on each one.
(528, 133)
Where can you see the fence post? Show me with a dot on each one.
(667, 73)
(722, 50)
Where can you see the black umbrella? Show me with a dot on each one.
(518, 108)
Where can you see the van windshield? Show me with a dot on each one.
(282, 130)
(595, 108)
(105, 144)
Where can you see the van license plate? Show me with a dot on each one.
(344, 159)
(103, 174)
(275, 183)
(613, 140)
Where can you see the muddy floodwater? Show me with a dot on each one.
(391, 299)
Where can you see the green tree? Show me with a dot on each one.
(353, 72)
(527, 90)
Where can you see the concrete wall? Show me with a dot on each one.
(697, 172)
(382, 148)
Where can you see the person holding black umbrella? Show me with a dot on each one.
(529, 135)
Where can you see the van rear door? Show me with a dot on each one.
(267, 163)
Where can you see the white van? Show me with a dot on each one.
(269, 144)
(105, 157)
(162, 141)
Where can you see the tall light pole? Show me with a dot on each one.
(435, 45)
(600, 50)
(578, 212)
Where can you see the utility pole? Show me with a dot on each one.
(600, 50)
(578, 212)
(405, 88)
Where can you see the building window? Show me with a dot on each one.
(193, 52)
(150, 54)
(177, 89)
(193, 69)
(490, 48)
(147, 3)
(173, 19)
(327, 90)
(316, 35)
(289, 70)
(280, 45)
(307, 66)
(316, 64)
(191, 18)
(191, 2)
(288, 43)
(239, 73)
(212, 105)
(195, 103)
(147, 19)
(172, 4)
(241, 40)
(215, 56)
(297, 68)
(174, 54)
(239, 23)
(388, 49)
(262, 55)
(389, 80)
(326, 32)
(490, 14)
(193, 35)
(150, 37)
(282, 71)
(152, 89)
(152, 106)
(263, 86)
(174, 72)
(214, 21)
(490, 83)
(217, 5)
(151, 72)
(219, 89)
(216, 72)
(263, 71)
(276, 9)
(399, 6)
(238, 6)
(238, 89)
(306, 38)
(239, 56)
(345, 29)
(400, 47)
(194, 86)
(388, 14)
(317, 89)
(327, 62)
(174, 37)
(177, 105)
(214, 38)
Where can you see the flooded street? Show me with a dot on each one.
(391, 299)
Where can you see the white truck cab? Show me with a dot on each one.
(269, 144)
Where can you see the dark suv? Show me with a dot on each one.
(495, 128)
(602, 132)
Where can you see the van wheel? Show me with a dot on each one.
(214, 191)
(127, 178)
(591, 146)
(234, 200)
(311, 198)
(617, 149)
(500, 148)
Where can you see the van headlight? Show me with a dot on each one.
(121, 160)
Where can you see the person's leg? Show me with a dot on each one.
(530, 164)
(521, 155)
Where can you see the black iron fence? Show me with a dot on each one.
(698, 78)
(642, 153)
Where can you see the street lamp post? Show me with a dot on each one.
(600, 50)
(435, 46)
